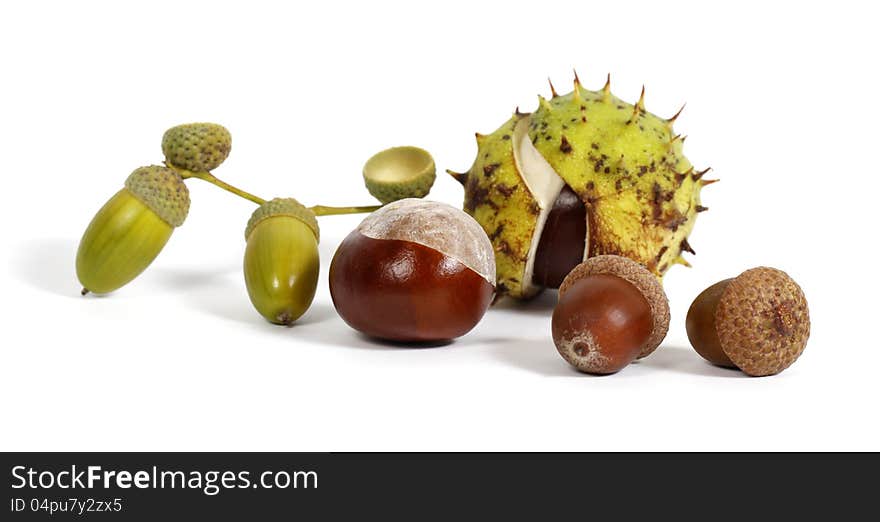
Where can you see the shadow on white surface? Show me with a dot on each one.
(210, 291)
(48, 265)
(540, 356)
(342, 336)
(534, 355)
(685, 360)
(188, 279)
(215, 291)
(317, 313)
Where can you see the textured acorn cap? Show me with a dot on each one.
(282, 207)
(161, 189)
(636, 275)
(198, 147)
(762, 321)
(399, 173)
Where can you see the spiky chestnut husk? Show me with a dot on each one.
(281, 260)
(626, 165)
(198, 147)
(131, 229)
(497, 197)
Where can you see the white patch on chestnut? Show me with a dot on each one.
(435, 225)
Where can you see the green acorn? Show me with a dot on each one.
(281, 259)
(130, 230)
(197, 147)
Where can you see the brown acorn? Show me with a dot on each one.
(611, 311)
(758, 322)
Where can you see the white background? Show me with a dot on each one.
(782, 103)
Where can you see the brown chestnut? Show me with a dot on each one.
(611, 311)
(563, 240)
(414, 271)
(758, 322)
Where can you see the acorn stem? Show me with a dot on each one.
(210, 178)
(322, 210)
(319, 210)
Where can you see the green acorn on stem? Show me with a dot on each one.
(281, 257)
(130, 230)
(281, 261)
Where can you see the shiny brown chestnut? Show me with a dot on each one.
(611, 311)
(414, 271)
(563, 240)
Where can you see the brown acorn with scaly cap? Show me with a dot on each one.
(586, 174)
(758, 322)
(611, 311)
(131, 229)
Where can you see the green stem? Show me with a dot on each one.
(319, 210)
(210, 178)
(322, 210)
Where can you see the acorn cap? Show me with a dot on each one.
(198, 147)
(162, 190)
(282, 207)
(638, 276)
(398, 173)
(762, 321)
